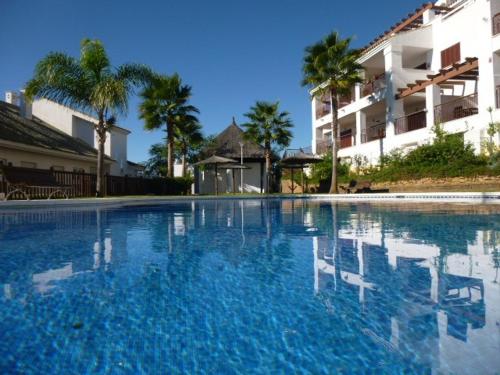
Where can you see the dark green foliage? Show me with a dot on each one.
(179, 185)
(323, 170)
(448, 156)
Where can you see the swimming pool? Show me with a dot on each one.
(250, 286)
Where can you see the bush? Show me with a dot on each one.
(448, 156)
(323, 171)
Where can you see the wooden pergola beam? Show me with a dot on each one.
(458, 71)
(412, 21)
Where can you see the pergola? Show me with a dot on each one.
(468, 70)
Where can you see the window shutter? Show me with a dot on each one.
(450, 55)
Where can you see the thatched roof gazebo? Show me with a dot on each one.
(231, 143)
(298, 159)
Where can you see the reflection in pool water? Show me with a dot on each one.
(255, 286)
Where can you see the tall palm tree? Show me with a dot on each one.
(90, 84)
(330, 66)
(188, 138)
(268, 126)
(165, 102)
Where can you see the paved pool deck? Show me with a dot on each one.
(452, 197)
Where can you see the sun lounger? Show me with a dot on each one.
(31, 182)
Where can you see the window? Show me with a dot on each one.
(57, 168)
(450, 55)
(28, 164)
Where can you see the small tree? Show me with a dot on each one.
(89, 84)
(268, 126)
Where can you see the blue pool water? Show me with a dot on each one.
(250, 286)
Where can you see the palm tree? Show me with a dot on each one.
(156, 165)
(188, 138)
(165, 102)
(89, 84)
(330, 66)
(268, 126)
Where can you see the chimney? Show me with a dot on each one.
(25, 106)
(12, 97)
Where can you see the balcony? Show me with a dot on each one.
(373, 133)
(496, 24)
(414, 121)
(456, 109)
(375, 84)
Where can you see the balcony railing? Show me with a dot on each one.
(323, 146)
(322, 110)
(373, 133)
(497, 96)
(346, 99)
(414, 121)
(373, 85)
(345, 141)
(456, 109)
(496, 24)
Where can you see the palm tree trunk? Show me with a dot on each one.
(335, 137)
(268, 166)
(184, 164)
(170, 150)
(101, 134)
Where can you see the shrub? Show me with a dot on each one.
(323, 171)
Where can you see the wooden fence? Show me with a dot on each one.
(84, 184)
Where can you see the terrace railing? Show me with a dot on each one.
(497, 96)
(413, 121)
(373, 85)
(496, 24)
(345, 141)
(373, 133)
(322, 110)
(323, 146)
(459, 108)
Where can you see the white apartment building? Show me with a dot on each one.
(441, 64)
(75, 124)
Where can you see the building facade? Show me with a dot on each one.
(57, 122)
(440, 65)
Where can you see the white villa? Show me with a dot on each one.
(47, 135)
(441, 64)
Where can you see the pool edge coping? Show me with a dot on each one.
(440, 197)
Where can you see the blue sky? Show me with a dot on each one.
(232, 52)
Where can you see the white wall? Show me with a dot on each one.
(81, 126)
(251, 180)
(43, 161)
